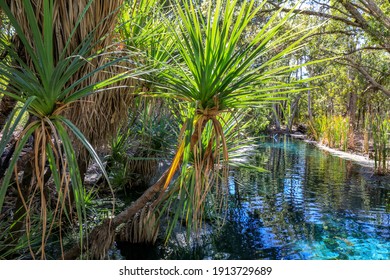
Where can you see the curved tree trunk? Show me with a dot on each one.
(106, 230)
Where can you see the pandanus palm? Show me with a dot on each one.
(217, 66)
(47, 86)
(219, 69)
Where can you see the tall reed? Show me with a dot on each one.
(331, 131)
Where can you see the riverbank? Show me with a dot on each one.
(354, 156)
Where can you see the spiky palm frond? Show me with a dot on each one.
(142, 29)
(48, 85)
(218, 69)
(72, 23)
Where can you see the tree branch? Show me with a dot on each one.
(369, 78)
(383, 40)
(329, 7)
(368, 48)
(318, 14)
(377, 12)
(332, 32)
(112, 224)
(361, 21)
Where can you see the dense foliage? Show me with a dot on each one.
(161, 98)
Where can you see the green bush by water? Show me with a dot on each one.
(331, 131)
(137, 148)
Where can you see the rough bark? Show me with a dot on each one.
(377, 12)
(7, 104)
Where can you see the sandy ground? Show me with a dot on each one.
(357, 158)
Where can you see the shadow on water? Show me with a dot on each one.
(311, 205)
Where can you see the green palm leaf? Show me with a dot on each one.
(218, 70)
(46, 87)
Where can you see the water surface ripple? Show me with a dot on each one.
(311, 205)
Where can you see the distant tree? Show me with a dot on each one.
(367, 19)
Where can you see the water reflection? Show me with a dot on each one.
(310, 206)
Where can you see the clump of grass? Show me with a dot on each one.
(331, 131)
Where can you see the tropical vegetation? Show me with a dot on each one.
(122, 120)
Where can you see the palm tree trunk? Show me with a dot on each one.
(107, 228)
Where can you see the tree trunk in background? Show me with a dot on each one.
(276, 116)
(7, 104)
(352, 118)
(294, 110)
(309, 111)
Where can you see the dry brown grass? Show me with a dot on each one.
(101, 241)
(142, 228)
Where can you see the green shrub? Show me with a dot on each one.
(331, 131)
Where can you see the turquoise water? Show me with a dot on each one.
(311, 205)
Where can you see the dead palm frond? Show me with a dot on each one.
(142, 228)
(47, 86)
(72, 23)
(219, 70)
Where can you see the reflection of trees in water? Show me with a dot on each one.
(308, 195)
